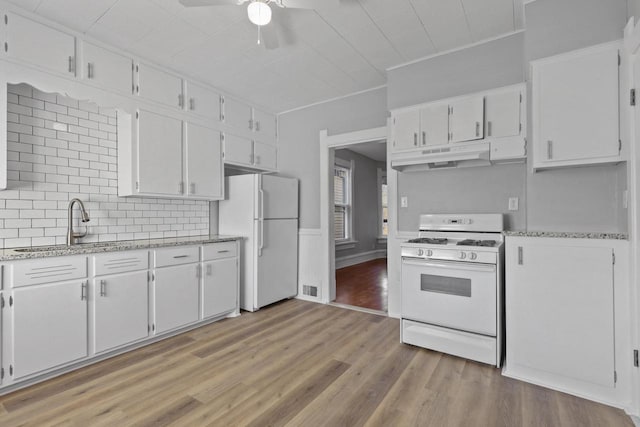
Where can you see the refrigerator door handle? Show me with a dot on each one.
(261, 245)
(261, 206)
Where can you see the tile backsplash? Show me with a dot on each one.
(60, 148)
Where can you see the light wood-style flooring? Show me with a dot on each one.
(297, 364)
(363, 285)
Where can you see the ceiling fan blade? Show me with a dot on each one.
(199, 3)
(269, 36)
(307, 4)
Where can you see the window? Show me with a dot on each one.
(342, 200)
(383, 213)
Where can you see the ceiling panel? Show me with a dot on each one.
(489, 17)
(333, 51)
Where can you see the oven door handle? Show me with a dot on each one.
(485, 268)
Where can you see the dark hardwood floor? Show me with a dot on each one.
(363, 285)
(296, 364)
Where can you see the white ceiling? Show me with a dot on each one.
(374, 150)
(324, 53)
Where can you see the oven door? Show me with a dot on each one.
(457, 295)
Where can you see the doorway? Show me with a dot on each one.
(360, 225)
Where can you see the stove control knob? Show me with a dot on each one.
(429, 252)
(462, 255)
(473, 255)
(420, 252)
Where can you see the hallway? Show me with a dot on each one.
(363, 285)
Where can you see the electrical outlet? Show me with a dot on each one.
(513, 203)
(404, 202)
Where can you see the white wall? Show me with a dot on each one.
(299, 141)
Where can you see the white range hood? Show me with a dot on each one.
(467, 155)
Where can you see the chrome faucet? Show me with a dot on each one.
(71, 235)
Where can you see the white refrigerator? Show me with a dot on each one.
(264, 210)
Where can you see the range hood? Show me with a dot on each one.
(475, 154)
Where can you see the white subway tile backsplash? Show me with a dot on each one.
(60, 148)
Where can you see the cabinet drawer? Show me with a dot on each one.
(120, 262)
(176, 256)
(47, 270)
(219, 250)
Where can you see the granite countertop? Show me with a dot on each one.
(101, 247)
(568, 235)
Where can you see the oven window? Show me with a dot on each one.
(445, 285)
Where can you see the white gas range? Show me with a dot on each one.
(452, 288)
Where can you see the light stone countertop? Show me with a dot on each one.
(568, 235)
(102, 247)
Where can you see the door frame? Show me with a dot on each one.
(327, 158)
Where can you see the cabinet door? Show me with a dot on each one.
(264, 124)
(264, 156)
(121, 309)
(205, 170)
(559, 304)
(49, 326)
(159, 154)
(176, 291)
(576, 107)
(237, 114)
(434, 125)
(160, 86)
(502, 114)
(107, 69)
(38, 44)
(406, 126)
(219, 287)
(238, 150)
(203, 101)
(466, 122)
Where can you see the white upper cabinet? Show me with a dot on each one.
(237, 114)
(264, 156)
(503, 113)
(238, 150)
(434, 125)
(107, 69)
(466, 119)
(205, 171)
(264, 124)
(40, 45)
(203, 101)
(159, 142)
(406, 127)
(575, 108)
(160, 86)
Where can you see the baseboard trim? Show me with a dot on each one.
(349, 260)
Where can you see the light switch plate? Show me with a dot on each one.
(513, 203)
(404, 202)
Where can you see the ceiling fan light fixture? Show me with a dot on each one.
(259, 13)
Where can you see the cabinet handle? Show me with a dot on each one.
(71, 67)
(549, 149)
(488, 128)
(257, 160)
(180, 256)
(251, 124)
(103, 288)
(193, 188)
(415, 139)
(477, 129)
(83, 291)
(180, 187)
(223, 252)
(209, 269)
(257, 126)
(424, 138)
(180, 101)
(520, 256)
(89, 70)
(192, 104)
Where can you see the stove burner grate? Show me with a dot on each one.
(429, 240)
(471, 242)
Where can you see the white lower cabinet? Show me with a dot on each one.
(176, 296)
(219, 293)
(560, 299)
(121, 304)
(48, 326)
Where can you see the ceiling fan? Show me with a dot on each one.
(260, 13)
